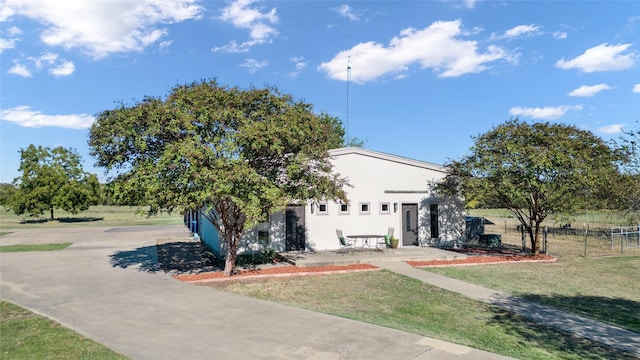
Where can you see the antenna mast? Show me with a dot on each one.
(348, 81)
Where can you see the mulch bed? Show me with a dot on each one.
(473, 258)
(483, 260)
(277, 271)
(484, 256)
(189, 262)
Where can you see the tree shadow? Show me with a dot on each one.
(548, 337)
(79, 219)
(552, 340)
(618, 311)
(178, 257)
(64, 220)
(34, 221)
(187, 257)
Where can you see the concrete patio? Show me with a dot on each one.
(369, 256)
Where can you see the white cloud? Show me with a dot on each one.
(347, 12)
(603, 57)
(300, 64)
(65, 69)
(520, 31)
(636, 88)
(589, 91)
(242, 16)
(55, 65)
(101, 28)
(560, 34)
(9, 43)
(164, 44)
(545, 113)
(20, 70)
(24, 116)
(611, 129)
(438, 47)
(470, 4)
(254, 65)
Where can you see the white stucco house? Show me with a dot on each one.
(385, 191)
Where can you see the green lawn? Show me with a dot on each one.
(395, 301)
(34, 247)
(95, 216)
(25, 335)
(605, 289)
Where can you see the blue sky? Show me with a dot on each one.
(425, 76)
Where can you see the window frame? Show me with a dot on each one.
(326, 208)
(382, 211)
(345, 212)
(368, 208)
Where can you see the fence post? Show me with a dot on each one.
(524, 242)
(546, 251)
(586, 241)
(626, 238)
(613, 232)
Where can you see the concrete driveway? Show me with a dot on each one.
(108, 287)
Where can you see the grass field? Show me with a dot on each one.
(25, 335)
(605, 289)
(399, 302)
(34, 247)
(95, 216)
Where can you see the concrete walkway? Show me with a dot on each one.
(590, 329)
(108, 286)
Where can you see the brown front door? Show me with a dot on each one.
(295, 228)
(409, 224)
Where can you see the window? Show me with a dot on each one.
(364, 208)
(407, 220)
(384, 208)
(344, 209)
(433, 211)
(263, 236)
(322, 209)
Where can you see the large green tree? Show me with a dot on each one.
(628, 184)
(52, 178)
(242, 154)
(6, 191)
(534, 170)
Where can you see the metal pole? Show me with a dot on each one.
(546, 249)
(586, 240)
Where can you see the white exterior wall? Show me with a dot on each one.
(375, 178)
(378, 178)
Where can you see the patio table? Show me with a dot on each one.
(365, 239)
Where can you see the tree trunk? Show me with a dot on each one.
(51, 209)
(535, 240)
(232, 254)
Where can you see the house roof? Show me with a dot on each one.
(388, 157)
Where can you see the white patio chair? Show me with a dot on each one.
(385, 242)
(345, 243)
